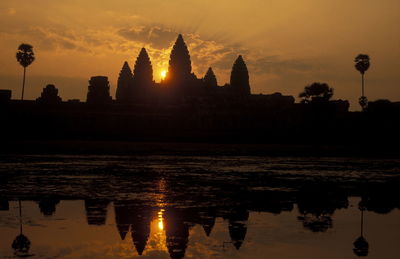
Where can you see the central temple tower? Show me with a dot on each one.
(180, 66)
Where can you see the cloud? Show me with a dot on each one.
(279, 66)
(155, 36)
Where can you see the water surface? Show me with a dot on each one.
(198, 207)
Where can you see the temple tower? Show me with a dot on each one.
(240, 77)
(124, 85)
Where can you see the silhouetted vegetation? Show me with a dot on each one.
(316, 92)
(21, 243)
(362, 64)
(25, 57)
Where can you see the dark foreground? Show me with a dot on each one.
(175, 206)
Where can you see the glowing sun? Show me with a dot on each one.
(163, 74)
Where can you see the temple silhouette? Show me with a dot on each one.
(186, 108)
(137, 87)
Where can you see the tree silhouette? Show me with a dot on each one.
(124, 83)
(240, 77)
(25, 57)
(316, 92)
(21, 243)
(210, 79)
(180, 66)
(362, 65)
(361, 246)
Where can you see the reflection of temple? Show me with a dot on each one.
(130, 216)
(140, 228)
(316, 204)
(238, 225)
(48, 206)
(177, 232)
(122, 218)
(207, 218)
(96, 211)
(4, 205)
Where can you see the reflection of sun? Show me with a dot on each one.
(160, 220)
(163, 74)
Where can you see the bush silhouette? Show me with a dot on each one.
(316, 92)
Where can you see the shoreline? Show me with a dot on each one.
(100, 147)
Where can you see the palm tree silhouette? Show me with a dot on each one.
(21, 243)
(25, 57)
(362, 65)
(361, 245)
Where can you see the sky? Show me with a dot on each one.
(287, 44)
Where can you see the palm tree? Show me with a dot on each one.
(21, 243)
(25, 57)
(361, 245)
(362, 65)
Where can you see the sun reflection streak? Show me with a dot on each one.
(163, 74)
(161, 204)
(160, 220)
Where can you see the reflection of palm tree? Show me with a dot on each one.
(362, 65)
(21, 243)
(25, 57)
(361, 245)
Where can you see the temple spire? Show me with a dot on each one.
(143, 71)
(124, 83)
(210, 79)
(180, 67)
(240, 77)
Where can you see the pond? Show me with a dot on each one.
(198, 207)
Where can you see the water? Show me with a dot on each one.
(199, 207)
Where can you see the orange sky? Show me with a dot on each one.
(287, 44)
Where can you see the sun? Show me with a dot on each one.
(163, 74)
